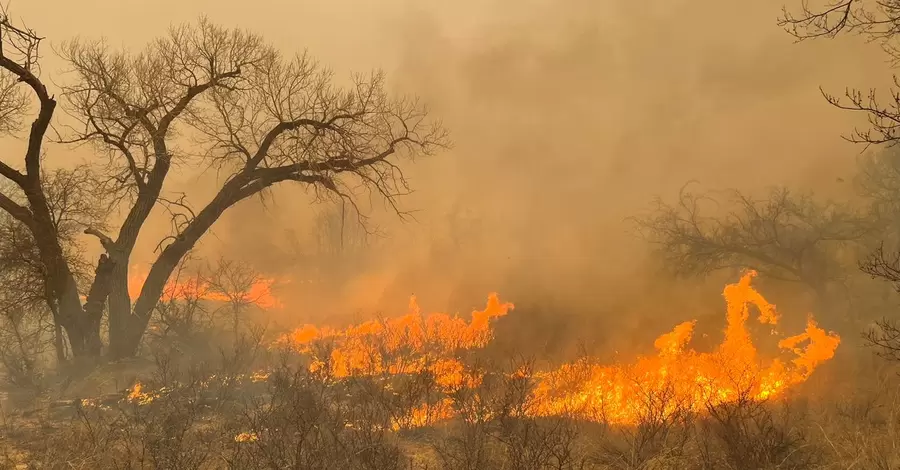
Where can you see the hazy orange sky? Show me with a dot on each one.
(567, 117)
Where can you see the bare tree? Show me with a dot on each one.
(181, 313)
(783, 236)
(337, 235)
(884, 335)
(879, 177)
(255, 116)
(234, 282)
(878, 21)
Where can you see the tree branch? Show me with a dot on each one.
(20, 213)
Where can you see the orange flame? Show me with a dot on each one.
(259, 293)
(676, 378)
(409, 344)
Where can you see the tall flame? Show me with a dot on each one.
(687, 379)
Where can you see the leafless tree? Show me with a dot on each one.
(26, 197)
(878, 21)
(337, 235)
(23, 299)
(234, 282)
(182, 313)
(782, 236)
(255, 116)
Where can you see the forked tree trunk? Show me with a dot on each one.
(132, 320)
(128, 322)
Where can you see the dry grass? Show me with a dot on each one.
(209, 414)
(302, 420)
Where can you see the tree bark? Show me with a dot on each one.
(136, 323)
(84, 337)
(119, 304)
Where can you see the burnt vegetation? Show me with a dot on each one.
(181, 373)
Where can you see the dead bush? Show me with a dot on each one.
(659, 439)
(308, 422)
(751, 434)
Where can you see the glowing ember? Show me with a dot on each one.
(138, 396)
(246, 437)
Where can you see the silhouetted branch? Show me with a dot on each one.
(878, 21)
(782, 236)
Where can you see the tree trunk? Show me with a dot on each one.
(120, 314)
(131, 321)
(59, 345)
(82, 329)
(165, 265)
(84, 339)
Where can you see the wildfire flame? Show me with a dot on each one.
(675, 378)
(259, 292)
(686, 379)
(405, 345)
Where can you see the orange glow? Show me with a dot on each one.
(676, 378)
(259, 294)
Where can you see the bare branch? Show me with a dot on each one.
(105, 241)
(19, 55)
(129, 104)
(782, 236)
(828, 21)
(878, 21)
(18, 212)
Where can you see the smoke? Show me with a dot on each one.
(567, 117)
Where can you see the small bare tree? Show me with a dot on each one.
(234, 282)
(878, 182)
(884, 335)
(22, 293)
(182, 313)
(257, 117)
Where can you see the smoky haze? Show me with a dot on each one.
(567, 117)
